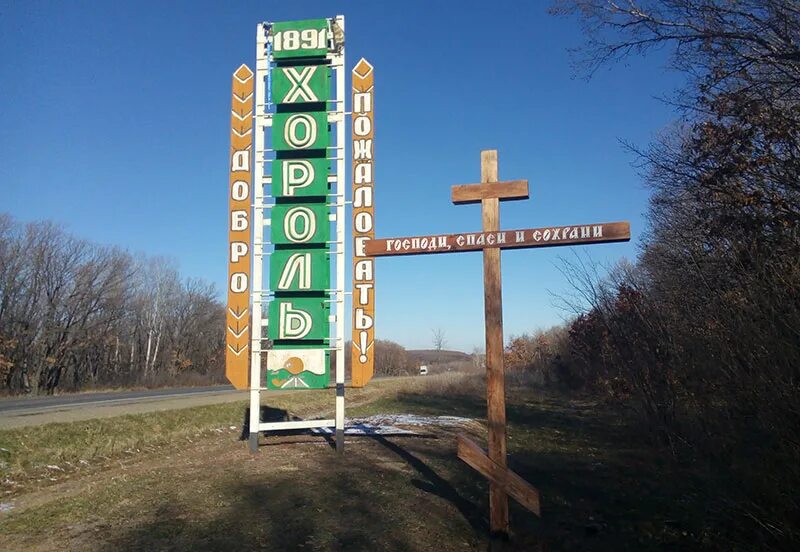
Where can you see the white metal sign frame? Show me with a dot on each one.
(262, 178)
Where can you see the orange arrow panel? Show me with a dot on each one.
(237, 333)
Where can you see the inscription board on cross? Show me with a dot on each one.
(489, 192)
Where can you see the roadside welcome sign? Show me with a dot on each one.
(298, 216)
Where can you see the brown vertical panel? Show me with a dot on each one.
(237, 334)
(495, 381)
(363, 134)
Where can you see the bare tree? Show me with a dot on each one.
(439, 339)
(701, 334)
(73, 313)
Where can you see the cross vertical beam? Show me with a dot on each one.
(495, 370)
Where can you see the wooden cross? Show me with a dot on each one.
(502, 481)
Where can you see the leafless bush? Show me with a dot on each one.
(391, 359)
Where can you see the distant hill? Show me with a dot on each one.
(431, 356)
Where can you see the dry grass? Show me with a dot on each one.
(603, 486)
(44, 454)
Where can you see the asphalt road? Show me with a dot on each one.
(16, 412)
(36, 403)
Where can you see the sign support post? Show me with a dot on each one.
(261, 119)
(338, 63)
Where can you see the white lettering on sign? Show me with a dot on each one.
(362, 272)
(532, 237)
(238, 282)
(363, 222)
(362, 150)
(300, 79)
(359, 243)
(362, 102)
(238, 250)
(299, 224)
(297, 174)
(362, 320)
(362, 197)
(294, 39)
(363, 293)
(362, 126)
(297, 265)
(240, 161)
(363, 173)
(293, 323)
(240, 190)
(300, 131)
(239, 221)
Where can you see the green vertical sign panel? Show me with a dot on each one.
(298, 224)
(303, 84)
(300, 39)
(296, 318)
(300, 178)
(300, 131)
(299, 270)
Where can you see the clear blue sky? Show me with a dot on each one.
(115, 122)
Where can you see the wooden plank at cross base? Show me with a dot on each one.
(363, 350)
(516, 487)
(237, 314)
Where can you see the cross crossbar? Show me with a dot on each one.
(548, 236)
(475, 193)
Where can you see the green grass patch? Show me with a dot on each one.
(26, 453)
